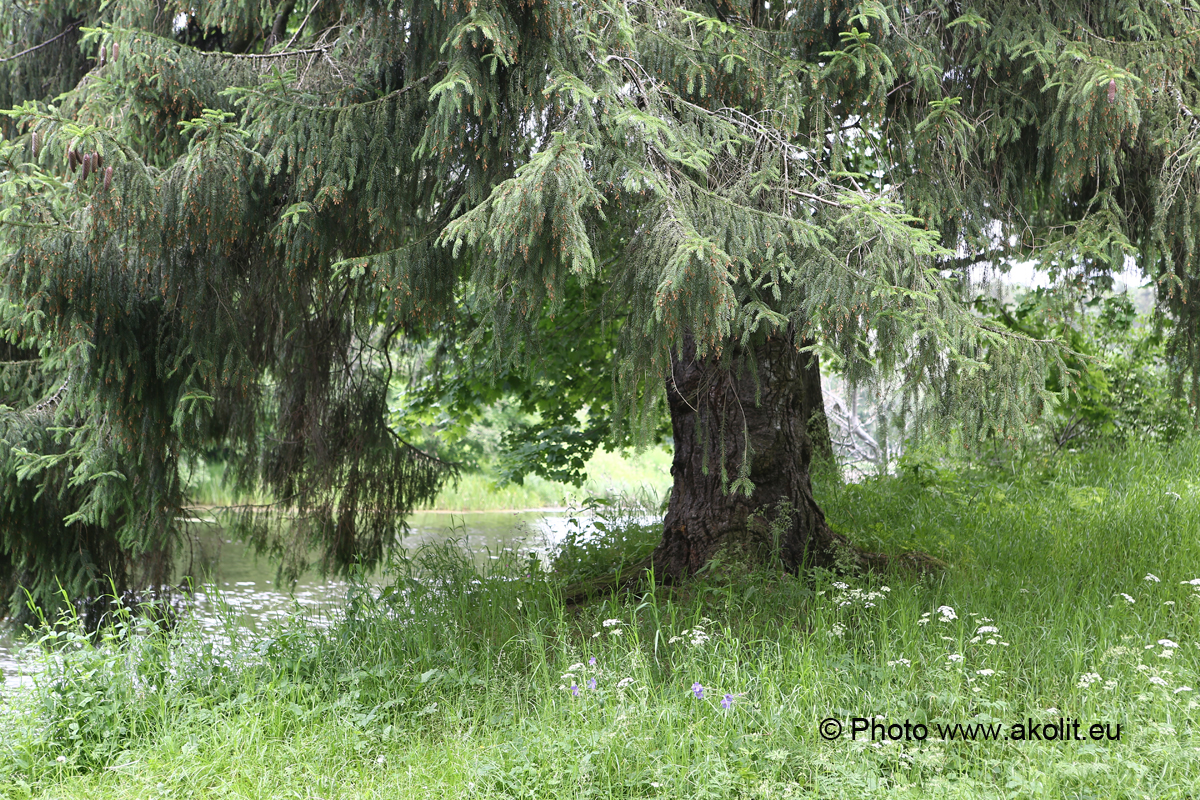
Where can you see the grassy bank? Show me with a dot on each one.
(1071, 594)
(644, 475)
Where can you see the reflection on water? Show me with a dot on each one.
(243, 586)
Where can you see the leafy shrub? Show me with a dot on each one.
(606, 537)
(1118, 383)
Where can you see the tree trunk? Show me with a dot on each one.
(714, 411)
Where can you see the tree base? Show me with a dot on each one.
(735, 562)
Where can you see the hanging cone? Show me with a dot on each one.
(1112, 91)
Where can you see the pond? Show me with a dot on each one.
(244, 585)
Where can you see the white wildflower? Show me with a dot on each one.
(624, 683)
(987, 673)
(1183, 689)
(1087, 679)
(1168, 602)
(1167, 654)
(1157, 681)
(900, 662)
(955, 657)
(987, 629)
(1167, 643)
(608, 623)
(838, 630)
(1128, 599)
(1052, 711)
(1192, 582)
(1151, 578)
(947, 613)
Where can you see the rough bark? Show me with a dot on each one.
(715, 410)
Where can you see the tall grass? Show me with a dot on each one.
(1070, 595)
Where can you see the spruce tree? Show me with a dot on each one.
(218, 220)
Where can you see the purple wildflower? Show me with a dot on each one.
(575, 689)
(592, 661)
(727, 702)
(592, 683)
(698, 690)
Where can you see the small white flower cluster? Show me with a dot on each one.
(990, 631)
(1128, 599)
(624, 683)
(613, 625)
(944, 614)
(848, 596)
(1168, 648)
(900, 662)
(838, 630)
(695, 636)
(1087, 679)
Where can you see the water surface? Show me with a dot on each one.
(242, 585)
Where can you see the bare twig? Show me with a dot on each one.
(40, 46)
(303, 22)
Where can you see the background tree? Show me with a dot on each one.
(215, 234)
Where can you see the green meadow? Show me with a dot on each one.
(1070, 594)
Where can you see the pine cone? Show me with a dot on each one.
(87, 165)
(33, 144)
(107, 178)
(73, 159)
(1112, 91)
(103, 54)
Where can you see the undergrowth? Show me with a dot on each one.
(1073, 593)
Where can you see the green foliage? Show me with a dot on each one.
(214, 235)
(605, 538)
(450, 681)
(1116, 381)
